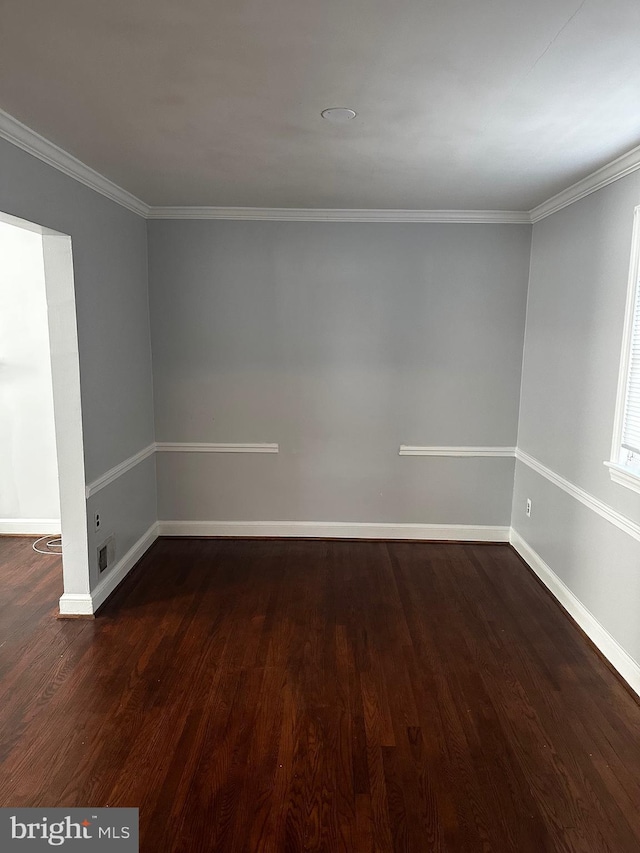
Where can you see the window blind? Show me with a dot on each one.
(631, 422)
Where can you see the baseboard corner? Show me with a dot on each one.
(85, 605)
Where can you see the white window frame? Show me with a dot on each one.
(624, 467)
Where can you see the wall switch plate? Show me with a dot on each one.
(528, 508)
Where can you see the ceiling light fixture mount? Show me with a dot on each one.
(338, 115)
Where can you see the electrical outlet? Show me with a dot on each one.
(97, 521)
(528, 507)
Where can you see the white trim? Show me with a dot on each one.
(28, 140)
(599, 636)
(602, 509)
(75, 604)
(207, 447)
(173, 447)
(337, 530)
(607, 174)
(623, 476)
(29, 526)
(410, 450)
(118, 470)
(67, 407)
(291, 214)
(86, 605)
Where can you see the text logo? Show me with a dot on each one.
(71, 829)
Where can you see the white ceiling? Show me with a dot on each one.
(462, 104)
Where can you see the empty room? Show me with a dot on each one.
(320, 425)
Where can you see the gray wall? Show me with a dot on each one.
(340, 342)
(579, 270)
(110, 266)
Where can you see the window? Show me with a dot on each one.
(624, 466)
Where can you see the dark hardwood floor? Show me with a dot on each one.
(312, 695)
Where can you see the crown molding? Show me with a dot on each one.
(28, 140)
(292, 214)
(607, 174)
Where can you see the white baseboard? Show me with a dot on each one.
(599, 636)
(336, 530)
(75, 604)
(29, 526)
(86, 605)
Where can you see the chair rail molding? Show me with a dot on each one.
(215, 447)
(414, 450)
(600, 507)
(118, 470)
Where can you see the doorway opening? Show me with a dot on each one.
(42, 479)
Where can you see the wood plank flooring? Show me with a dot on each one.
(314, 695)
